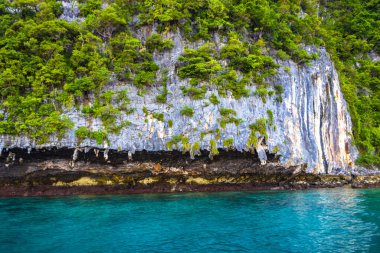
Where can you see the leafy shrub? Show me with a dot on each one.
(156, 42)
(228, 143)
(173, 143)
(158, 116)
(195, 93)
(213, 149)
(214, 99)
(227, 117)
(195, 149)
(187, 111)
(198, 63)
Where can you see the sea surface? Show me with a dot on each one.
(324, 220)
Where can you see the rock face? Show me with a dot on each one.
(311, 126)
(52, 172)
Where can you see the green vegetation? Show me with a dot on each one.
(228, 117)
(203, 134)
(195, 149)
(187, 111)
(145, 111)
(228, 143)
(199, 64)
(214, 99)
(49, 65)
(195, 93)
(173, 143)
(170, 123)
(158, 116)
(279, 90)
(270, 117)
(218, 133)
(107, 107)
(248, 59)
(350, 32)
(156, 42)
(260, 127)
(262, 92)
(83, 133)
(186, 146)
(163, 96)
(202, 66)
(213, 149)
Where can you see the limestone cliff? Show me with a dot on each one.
(311, 126)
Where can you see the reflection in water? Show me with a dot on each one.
(326, 220)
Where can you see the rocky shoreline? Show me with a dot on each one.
(58, 172)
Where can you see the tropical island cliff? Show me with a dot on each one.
(170, 96)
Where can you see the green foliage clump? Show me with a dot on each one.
(195, 93)
(156, 42)
(170, 123)
(173, 143)
(226, 112)
(47, 64)
(248, 59)
(198, 63)
(282, 55)
(270, 117)
(228, 80)
(214, 99)
(276, 149)
(260, 126)
(107, 107)
(195, 149)
(228, 143)
(80, 86)
(213, 149)
(187, 111)
(100, 136)
(82, 133)
(186, 146)
(145, 111)
(130, 62)
(158, 116)
(279, 90)
(163, 96)
(89, 6)
(218, 133)
(104, 22)
(262, 92)
(228, 117)
(203, 134)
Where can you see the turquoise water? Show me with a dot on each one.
(326, 220)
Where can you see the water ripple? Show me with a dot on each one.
(326, 220)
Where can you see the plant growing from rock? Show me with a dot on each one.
(187, 111)
(214, 99)
(258, 127)
(213, 149)
(156, 42)
(227, 117)
(173, 143)
(228, 143)
(195, 149)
